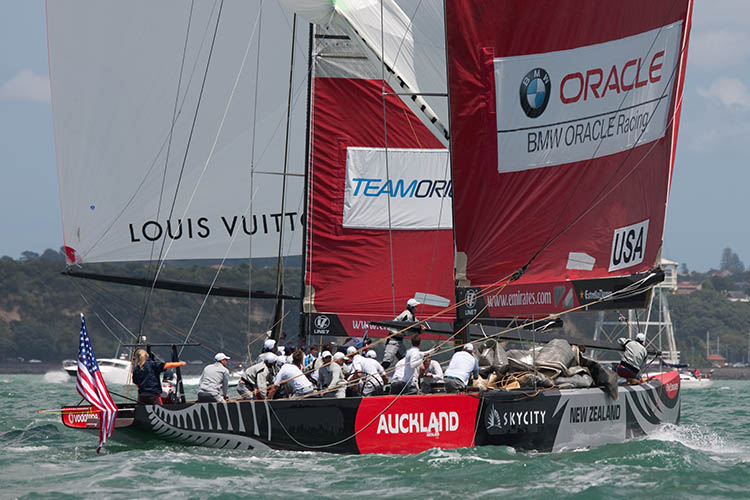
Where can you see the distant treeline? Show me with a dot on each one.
(39, 308)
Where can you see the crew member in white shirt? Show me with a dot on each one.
(412, 360)
(374, 375)
(462, 366)
(430, 373)
(336, 387)
(291, 373)
(394, 348)
(397, 381)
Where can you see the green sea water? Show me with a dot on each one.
(706, 456)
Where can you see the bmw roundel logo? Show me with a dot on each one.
(535, 91)
(322, 322)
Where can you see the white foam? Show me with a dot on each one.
(699, 438)
(57, 377)
(190, 380)
(26, 449)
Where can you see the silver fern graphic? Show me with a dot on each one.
(493, 418)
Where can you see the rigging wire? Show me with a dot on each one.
(189, 141)
(385, 144)
(252, 170)
(279, 311)
(147, 293)
(163, 144)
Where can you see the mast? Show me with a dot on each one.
(303, 325)
(278, 311)
(460, 320)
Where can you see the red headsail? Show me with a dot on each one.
(564, 118)
(363, 263)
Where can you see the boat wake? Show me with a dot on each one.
(700, 438)
(57, 377)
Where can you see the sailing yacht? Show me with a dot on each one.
(498, 161)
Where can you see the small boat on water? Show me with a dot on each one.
(689, 380)
(114, 370)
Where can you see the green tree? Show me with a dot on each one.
(731, 262)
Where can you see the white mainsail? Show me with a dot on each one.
(115, 70)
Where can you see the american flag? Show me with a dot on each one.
(91, 386)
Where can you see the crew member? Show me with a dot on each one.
(397, 381)
(269, 345)
(463, 365)
(327, 347)
(310, 358)
(633, 358)
(394, 348)
(430, 373)
(412, 360)
(255, 380)
(214, 381)
(146, 376)
(291, 373)
(374, 375)
(336, 387)
(323, 364)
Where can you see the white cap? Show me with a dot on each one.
(268, 357)
(269, 344)
(338, 355)
(351, 350)
(412, 302)
(372, 354)
(641, 337)
(280, 360)
(221, 357)
(469, 347)
(325, 354)
(282, 349)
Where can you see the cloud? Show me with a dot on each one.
(719, 50)
(26, 86)
(731, 92)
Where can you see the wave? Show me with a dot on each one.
(700, 438)
(57, 377)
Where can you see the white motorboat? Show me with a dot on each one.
(690, 381)
(114, 370)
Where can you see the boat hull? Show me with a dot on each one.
(549, 420)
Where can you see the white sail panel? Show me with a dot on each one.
(412, 46)
(115, 71)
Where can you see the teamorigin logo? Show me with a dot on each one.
(535, 92)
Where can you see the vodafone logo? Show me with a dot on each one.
(672, 389)
(591, 83)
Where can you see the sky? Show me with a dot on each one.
(708, 207)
